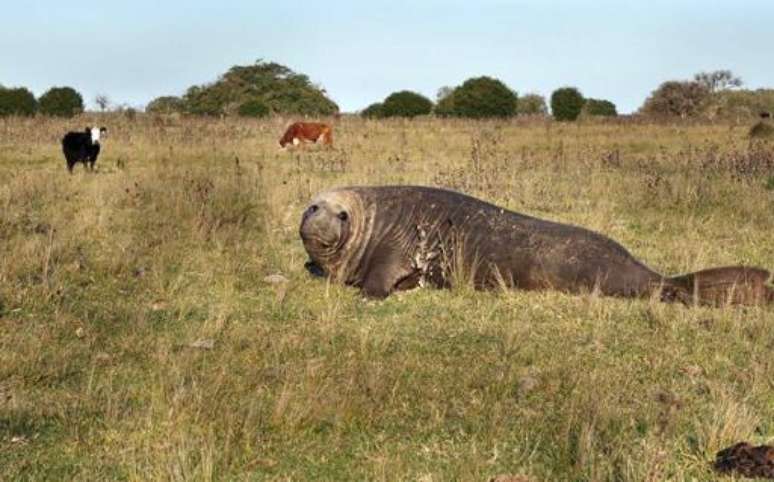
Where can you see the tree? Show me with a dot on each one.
(479, 97)
(373, 111)
(18, 101)
(253, 108)
(531, 104)
(567, 103)
(166, 104)
(61, 102)
(443, 93)
(676, 99)
(739, 103)
(599, 107)
(717, 80)
(278, 87)
(445, 105)
(406, 104)
(102, 101)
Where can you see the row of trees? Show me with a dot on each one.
(709, 94)
(256, 90)
(484, 97)
(57, 101)
(266, 88)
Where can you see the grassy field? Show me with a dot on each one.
(139, 339)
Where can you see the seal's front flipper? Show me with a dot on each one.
(719, 286)
(384, 274)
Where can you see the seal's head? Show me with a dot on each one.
(333, 228)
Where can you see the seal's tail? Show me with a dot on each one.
(737, 285)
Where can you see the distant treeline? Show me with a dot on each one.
(710, 95)
(57, 101)
(268, 88)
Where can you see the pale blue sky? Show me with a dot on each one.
(361, 51)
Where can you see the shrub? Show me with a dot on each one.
(373, 111)
(762, 130)
(167, 104)
(445, 105)
(676, 99)
(61, 102)
(738, 104)
(479, 97)
(129, 113)
(531, 104)
(279, 88)
(18, 101)
(566, 103)
(253, 108)
(406, 104)
(599, 107)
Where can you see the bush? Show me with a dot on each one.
(373, 111)
(253, 108)
(61, 102)
(567, 103)
(479, 97)
(598, 107)
(676, 99)
(18, 101)
(445, 105)
(531, 104)
(279, 88)
(129, 113)
(739, 104)
(406, 104)
(762, 130)
(167, 104)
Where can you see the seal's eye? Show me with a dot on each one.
(343, 216)
(313, 208)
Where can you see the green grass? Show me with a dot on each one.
(106, 280)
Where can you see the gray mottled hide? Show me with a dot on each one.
(399, 237)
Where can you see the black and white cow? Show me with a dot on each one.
(82, 147)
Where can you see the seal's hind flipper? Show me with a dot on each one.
(740, 285)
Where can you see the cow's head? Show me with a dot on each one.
(95, 133)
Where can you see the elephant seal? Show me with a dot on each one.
(390, 238)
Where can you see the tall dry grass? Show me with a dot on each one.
(139, 340)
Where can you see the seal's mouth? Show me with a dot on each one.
(311, 239)
(316, 242)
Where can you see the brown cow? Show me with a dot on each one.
(307, 132)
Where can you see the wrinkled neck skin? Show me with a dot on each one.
(342, 264)
(398, 224)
